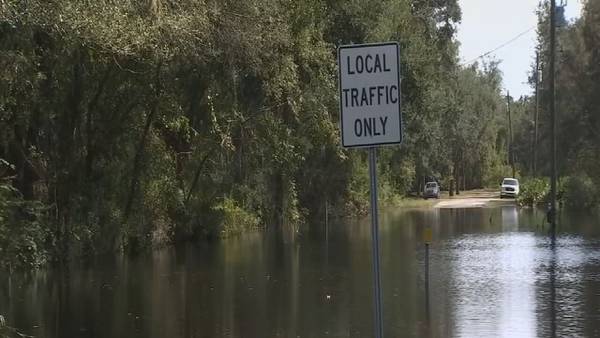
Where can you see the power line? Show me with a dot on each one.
(501, 46)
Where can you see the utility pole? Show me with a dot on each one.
(536, 114)
(511, 153)
(553, 114)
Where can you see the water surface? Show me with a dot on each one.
(493, 272)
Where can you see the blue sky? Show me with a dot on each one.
(487, 24)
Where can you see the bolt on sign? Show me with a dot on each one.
(370, 104)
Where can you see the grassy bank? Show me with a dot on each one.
(409, 202)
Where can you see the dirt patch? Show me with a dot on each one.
(475, 199)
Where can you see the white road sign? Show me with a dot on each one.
(370, 94)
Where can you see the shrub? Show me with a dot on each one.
(494, 175)
(22, 231)
(233, 219)
(579, 192)
(533, 191)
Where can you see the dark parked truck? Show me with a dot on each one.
(432, 190)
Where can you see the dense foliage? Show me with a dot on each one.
(577, 106)
(534, 191)
(126, 124)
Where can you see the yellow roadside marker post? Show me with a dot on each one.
(427, 237)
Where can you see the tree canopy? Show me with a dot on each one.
(127, 124)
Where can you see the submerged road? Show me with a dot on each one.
(492, 272)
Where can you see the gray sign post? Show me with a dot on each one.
(370, 116)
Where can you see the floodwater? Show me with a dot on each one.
(492, 273)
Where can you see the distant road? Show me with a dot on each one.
(474, 199)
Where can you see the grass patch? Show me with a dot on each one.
(409, 202)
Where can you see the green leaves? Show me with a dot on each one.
(22, 236)
(534, 191)
(577, 105)
(139, 121)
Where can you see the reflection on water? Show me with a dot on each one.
(493, 272)
(510, 218)
(494, 279)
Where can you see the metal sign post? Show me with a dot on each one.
(375, 239)
(370, 116)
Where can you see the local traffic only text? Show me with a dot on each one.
(370, 95)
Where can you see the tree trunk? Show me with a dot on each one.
(154, 7)
(18, 155)
(197, 175)
(457, 178)
(141, 147)
(90, 149)
(66, 176)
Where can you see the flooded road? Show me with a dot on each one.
(493, 272)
